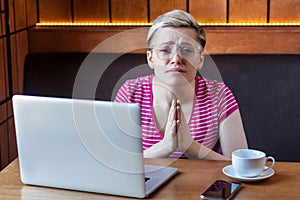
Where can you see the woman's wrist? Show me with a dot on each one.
(161, 149)
(197, 151)
(203, 151)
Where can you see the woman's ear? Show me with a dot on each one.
(150, 59)
(201, 61)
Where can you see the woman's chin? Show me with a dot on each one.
(175, 80)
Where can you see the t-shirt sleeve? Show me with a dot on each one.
(123, 94)
(227, 103)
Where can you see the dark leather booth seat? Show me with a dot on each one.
(267, 88)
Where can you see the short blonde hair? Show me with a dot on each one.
(176, 18)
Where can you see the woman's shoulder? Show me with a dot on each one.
(201, 81)
(140, 80)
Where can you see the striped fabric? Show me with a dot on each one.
(213, 102)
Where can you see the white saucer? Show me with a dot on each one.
(229, 171)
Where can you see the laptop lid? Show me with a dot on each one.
(84, 145)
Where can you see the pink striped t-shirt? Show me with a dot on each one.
(213, 102)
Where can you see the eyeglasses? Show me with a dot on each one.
(166, 51)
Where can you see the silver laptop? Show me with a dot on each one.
(84, 145)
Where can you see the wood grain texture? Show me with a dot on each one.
(253, 40)
(63, 39)
(208, 11)
(19, 49)
(14, 64)
(2, 16)
(13, 151)
(20, 14)
(4, 152)
(158, 7)
(12, 24)
(3, 113)
(22, 51)
(4, 52)
(55, 11)
(31, 12)
(2, 70)
(91, 10)
(2, 26)
(285, 11)
(9, 108)
(2, 5)
(248, 11)
(129, 11)
(219, 39)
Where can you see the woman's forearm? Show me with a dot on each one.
(199, 151)
(158, 150)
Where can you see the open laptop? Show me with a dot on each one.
(84, 145)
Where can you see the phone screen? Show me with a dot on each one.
(221, 189)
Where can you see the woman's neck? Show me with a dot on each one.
(184, 92)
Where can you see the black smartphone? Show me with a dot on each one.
(221, 190)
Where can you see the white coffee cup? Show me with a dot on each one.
(250, 162)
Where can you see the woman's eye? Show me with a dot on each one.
(187, 50)
(165, 50)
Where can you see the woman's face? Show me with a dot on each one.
(175, 55)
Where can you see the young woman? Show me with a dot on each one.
(183, 115)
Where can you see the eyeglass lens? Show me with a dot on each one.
(167, 51)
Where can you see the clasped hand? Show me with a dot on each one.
(177, 132)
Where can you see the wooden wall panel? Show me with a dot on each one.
(91, 10)
(158, 7)
(19, 49)
(129, 11)
(1, 5)
(12, 24)
(220, 40)
(13, 152)
(22, 51)
(3, 113)
(3, 78)
(31, 11)
(55, 11)
(4, 52)
(20, 14)
(1, 24)
(9, 108)
(2, 71)
(78, 40)
(13, 49)
(284, 11)
(248, 11)
(208, 11)
(4, 145)
(262, 41)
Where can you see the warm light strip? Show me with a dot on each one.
(149, 24)
(251, 24)
(92, 24)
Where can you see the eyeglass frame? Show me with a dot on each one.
(154, 47)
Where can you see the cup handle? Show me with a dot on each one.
(273, 162)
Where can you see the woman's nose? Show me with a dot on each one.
(176, 58)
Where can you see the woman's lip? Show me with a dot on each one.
(176, 70)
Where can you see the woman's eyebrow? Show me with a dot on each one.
(185, 43)
(173, 42)
(169, 42)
